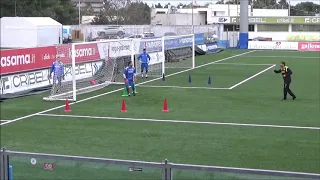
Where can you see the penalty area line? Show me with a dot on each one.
(183, 87)
(120, 89)
(244, 64)
(251, 77)
(180, 121)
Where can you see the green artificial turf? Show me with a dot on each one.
(256, 101)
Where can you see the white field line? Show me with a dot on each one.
(120, 89)
(5, 120)
(180, 121)
(251, 77)
(244, 64)
(183, 87)
(289, 57)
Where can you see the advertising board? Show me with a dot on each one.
(212, 47)
(273, 45)
(309, 46)
(156, 58)
(19, 60)
(40, 78)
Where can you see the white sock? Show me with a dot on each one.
(146, 75)
(142, 75)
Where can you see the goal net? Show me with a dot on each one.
(167, 54)
(88, 67)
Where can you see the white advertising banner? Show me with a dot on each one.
(156, 58)
(115, 48)
(273, 45)
(40, 78)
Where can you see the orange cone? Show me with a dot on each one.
(123, 106)
(67, 108)
(165, 106)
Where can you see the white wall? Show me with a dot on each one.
(287, 36)
(48, 36)
(17, 33)
(178, 19)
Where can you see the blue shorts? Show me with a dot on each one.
(129, 83)
(144, 66)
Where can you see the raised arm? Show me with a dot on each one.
(277, 71)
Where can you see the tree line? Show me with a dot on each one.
(66, 11)
(129, 12)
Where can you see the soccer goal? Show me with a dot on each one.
(91, 66)
(166, 54)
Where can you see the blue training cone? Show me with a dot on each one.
(189, 80)
(163, 78)
(209, 80)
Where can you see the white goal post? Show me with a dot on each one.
(90, 66)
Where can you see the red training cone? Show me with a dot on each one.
(165, 106)
(67, 108)
(92, 82)
(123, 106)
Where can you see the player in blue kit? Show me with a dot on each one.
(57, 69)
(144, 59)
(129, 75)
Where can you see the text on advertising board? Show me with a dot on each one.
(279, 20)
(309, 46)
(19, 60)
(271, 45)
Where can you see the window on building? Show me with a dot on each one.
(234, 27)
(215, 13)
(251, 28)
(228, 27)
(308, 28)
(273, 28)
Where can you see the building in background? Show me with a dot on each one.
(206, 15)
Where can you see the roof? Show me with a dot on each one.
(37, 21)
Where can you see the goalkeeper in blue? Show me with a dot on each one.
(144, 59)
(57, 69)
(129, 75)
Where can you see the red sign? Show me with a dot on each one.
(309, 46)
(48, 166)
(84, 53)
(18, 60)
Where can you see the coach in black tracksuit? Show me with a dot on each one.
(286, 74)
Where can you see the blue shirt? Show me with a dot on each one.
(144, 57)
(129, 72)
(57, 68)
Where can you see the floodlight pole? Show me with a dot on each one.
(192, 17)
(79, 8)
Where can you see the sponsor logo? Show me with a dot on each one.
(309, 46)
(222, 20)
(212, 47)
(48, 166)
(28, 59)
(17, 60)
(312, 20)
(186, 40)
(117, 49)
(24, 81)
(85, 52)
(273, 45)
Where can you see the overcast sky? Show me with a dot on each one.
(200, 2)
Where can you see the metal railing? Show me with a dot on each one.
(167, 171)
